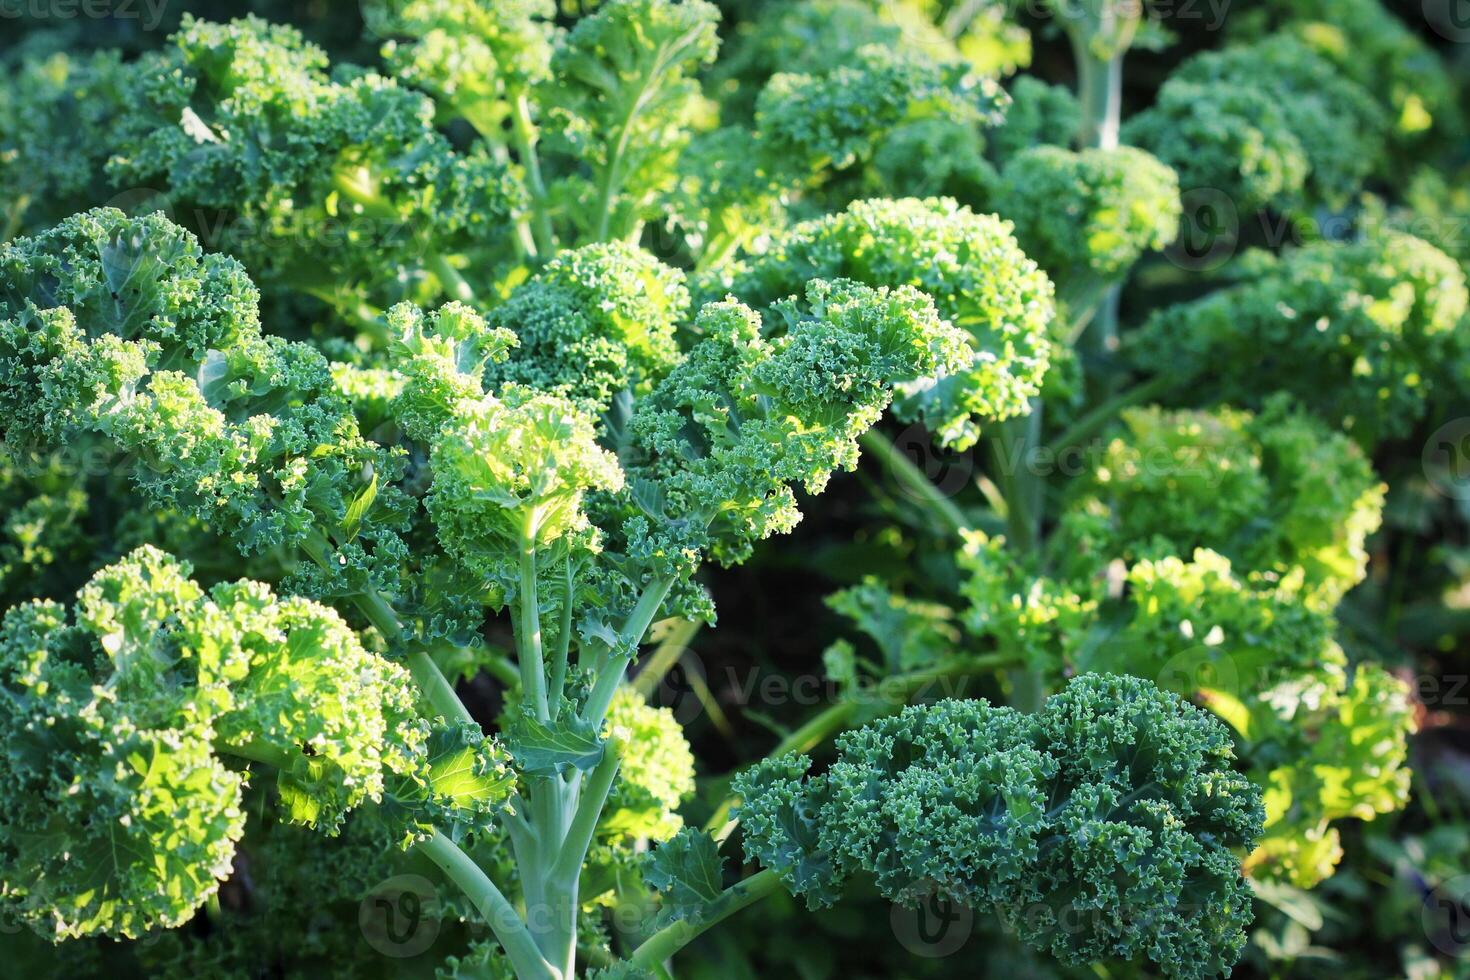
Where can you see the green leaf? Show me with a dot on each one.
(359, 507)
(542, 749)
(467, 770)
(1295, 904)
(459, 789)
(688, 872)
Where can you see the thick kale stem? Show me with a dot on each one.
(501, 669)
(1100, 42)
(498, 913)
(631, 635)
(450, 279)
(609, 677)
(436, 687)
(528, 632)
(818, 729)
(672, 938)
(549, 902)
(1021, 485)
(1101, 32)
(642, 616)
(905, 471)
(1100, 84)
(523, 130)
(563, 639)
(589, 810)
(565, 815)
(426, 673)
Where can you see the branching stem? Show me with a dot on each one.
(672, 938)
(498, 913)
(906, 472)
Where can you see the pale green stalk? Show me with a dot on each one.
(528, 633)
(903, 469)
(523, 131)
(669, 940)
(492, 905)
(665, 656)
(426, 673)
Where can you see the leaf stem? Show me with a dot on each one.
(1098, 418)
(498, 913)
(905, 471)
(449, 277)
(523, 131)
(665, 656)
(563, 639)
(500, 668)
(1020, 484)
(1100, 41)
(436, 687)
(528, 633)
(672, 938)
(589, 810)
(630, 636)
(426, 673)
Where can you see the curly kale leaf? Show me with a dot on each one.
(594, 322)
(1363, 332)
(1103, 826)
(719, 446)
(117, 719)
(969, 264)
(1277, 493)
(1087, 217)
(1269, 124)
